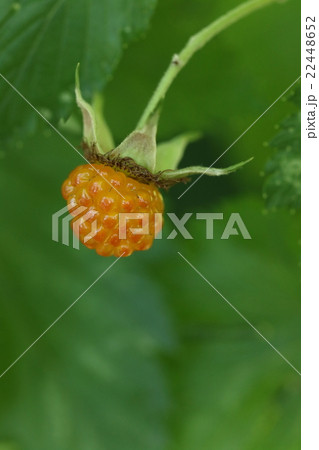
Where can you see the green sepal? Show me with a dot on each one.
(170, 153)
(96, 132)
(140, 145)
(199, 170)
(103, 132)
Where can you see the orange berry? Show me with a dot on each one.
(105, 194)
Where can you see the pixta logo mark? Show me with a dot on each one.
(81, 219)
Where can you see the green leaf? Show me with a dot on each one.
(95, 130)
(283, 171)
(198, 170)
(171, 152)
(43, 42)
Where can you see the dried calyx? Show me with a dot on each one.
(128, 166)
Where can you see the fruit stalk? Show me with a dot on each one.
(195, 43)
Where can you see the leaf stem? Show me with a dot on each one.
(195, 43)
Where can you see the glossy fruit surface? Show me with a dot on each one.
(113, 213)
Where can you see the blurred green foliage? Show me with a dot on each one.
(283, 184)
(151, 357)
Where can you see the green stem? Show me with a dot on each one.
(195, 43)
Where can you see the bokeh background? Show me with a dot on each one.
(151, 357)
